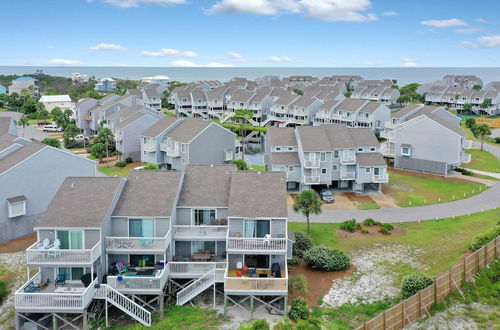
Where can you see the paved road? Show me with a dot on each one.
(31, 132)
(490, 199)
(494, 150)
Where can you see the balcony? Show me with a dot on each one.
(234, 284)
(255, 245)
(37, 256)
(380, 178)
(200, 232)
(347, 175)
(47, 298)
(163, 147)
(130, 282)
(348, 159)
(228, 154)
(466, 158)
(310, 179)
(137, 244)
(173, 152)
(311, 163)
(193, 269)
(149, 147)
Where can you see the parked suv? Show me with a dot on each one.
(52, 128)
(327, 195)
(80, 138)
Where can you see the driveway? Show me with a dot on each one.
(30, 132)
(484, 201)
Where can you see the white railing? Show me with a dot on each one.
(173, 152)
(163, 147)
(37, 256)
(193, 269)
(149, 147)
(347, 175)
(53, 300)
(138, 243)
(466, 158)
(467, 144)
(380, 177)
(348, 159)
(311, 163)
(196, 287)
(140, 283)
(242, 284)
(125, 304)
(310, 179)
(200, 231)
(228, 154)
(256, 244)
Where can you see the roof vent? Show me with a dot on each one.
(72, 185)
(259, 172)
(211, 165)
(137, 177)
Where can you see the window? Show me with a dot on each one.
(202, 246)
(142, 260)
(257, 228)
(183, 147)
(290, 168)
(290, 148)
(372, 149)
(335, 154)
(405, 151)
(71, 273)
(70, 239)
(367, 170)
(323, 171)
(257, 261)
(183, 161)
(278, 148)
(335, 167)
(360, 149)
(323, 156)
(204, 217)
(141, 228)
(16, 206)
(144, 140)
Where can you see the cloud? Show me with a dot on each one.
(444, 23)
(189, 64)
(104, 46)
(50, 47)
(328, 10)
(491, 41)
(168, 52)
(468, 31)
(485, 21)
(61, 61)
(408, 62)
(138, 3)
(279, 59)
(390, 13)
(236, 57)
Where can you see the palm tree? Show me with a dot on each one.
(482, 131)
(308, 202)
(467, 108)
(23, 121)
(70, 132)
(97, 150)
(106, 137)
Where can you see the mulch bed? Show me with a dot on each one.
(373, 231)
(318, 282)
(356, 198)
(18, 244)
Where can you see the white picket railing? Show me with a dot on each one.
(256, 244)
(200, 231)
(380, 177)
(125, 304)
(195, 288)
(307, 179)
(311, 163)
(347, 159)
(347, 175)
(252, 284)
(140, 283)
(159, 244)
(37, 256)
(190, 269)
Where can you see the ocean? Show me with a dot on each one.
(402, 75)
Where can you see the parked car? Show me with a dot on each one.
(327, 195)
(80, 138)
(43, 123)
(52, 128)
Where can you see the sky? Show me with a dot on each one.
(251, 33)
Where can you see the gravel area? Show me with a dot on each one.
(373, 280)
(14, 265)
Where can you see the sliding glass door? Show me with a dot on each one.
(257, 228)
(204, 217)
(141, 228)
(70, 239)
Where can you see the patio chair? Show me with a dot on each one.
(60, 280)
(55, 246)
(31, 287)
(121, 268)
(267, 239)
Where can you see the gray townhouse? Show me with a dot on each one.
(173, 143)
(30, 175)
(131, 242)
(380, 94)
(353, 113)
(464, 81)
(425, 139)
(281, 108)
(457, 97)
(152, 94)
(333, 156)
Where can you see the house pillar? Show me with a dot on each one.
(225, 306)
(252, 309)
(54, 322)
(85, 320)
(18, 322)
(161, 297)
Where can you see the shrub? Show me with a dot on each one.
(53, 142)
(365, 231)
(312, 323)
(4, 290)
(482, 239)
(386, 228)
(370, 222)
(350, 225)
(297, 283)
(121, 163)
(413, 283)
(150, 167)
(294, 261)
(324, 258)
(283, 324)
(302, 244)
(129, 160)
(497, 139)
(261, 324)
(298, 310)
(241, 165)
(463, 171)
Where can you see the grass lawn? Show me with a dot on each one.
(367, 205)
(425, 190)
(3, 110)
(114, 171)
(471, 136)
(483, 161)
(258, 168)
(442, 241)
(179, 317)
(35, 121)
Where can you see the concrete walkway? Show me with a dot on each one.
(493, 175)
(486, 146)
(490, 199)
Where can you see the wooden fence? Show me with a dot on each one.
(492, 122)
(409, 310)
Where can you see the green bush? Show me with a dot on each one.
(463, 171)
(311, 323)
(302, 244)
(283, 324)
(4, 290)
(295, 261)
(241, 165)
(53, 142)
(370, 222)
(482, 239)
(129, 160)
(298, 310)
(297, 283)
(497, 139)
(151, 167)
(327, 259)
(121, 163)
(365, 231)
(350, 225)
(413, 283)
(386, 228)
(261, 324)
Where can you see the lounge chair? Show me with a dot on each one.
(60, 280)
(53, 250)
(31, 287)
(121, 268)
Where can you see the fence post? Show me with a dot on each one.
(463, 276)
(485, 255)
(419, 304)
(435, 290)
(383, 318)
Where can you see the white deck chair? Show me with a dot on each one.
(56, 246)
(267, 239)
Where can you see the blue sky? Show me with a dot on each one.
(217, 33)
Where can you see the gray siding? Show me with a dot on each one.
(278, 228)
(119, 227)
(131, 136)
(208, 147)
(235, 226)
(422, 165)
(162, 226)
(183, 217)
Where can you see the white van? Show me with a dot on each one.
(52, 128)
